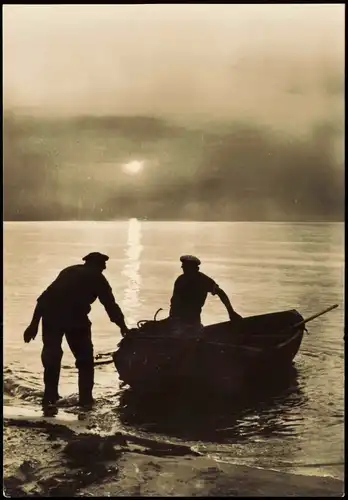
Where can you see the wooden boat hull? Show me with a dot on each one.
(220, 357)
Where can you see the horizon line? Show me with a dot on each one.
(140, 219)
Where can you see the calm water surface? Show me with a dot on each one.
(264, 267)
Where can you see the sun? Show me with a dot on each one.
(133, 167)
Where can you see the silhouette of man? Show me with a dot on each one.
(63, 308)
(190, 293)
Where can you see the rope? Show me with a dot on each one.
(144, 321)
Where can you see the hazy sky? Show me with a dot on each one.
(172, 59)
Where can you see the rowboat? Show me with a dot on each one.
(221, 357)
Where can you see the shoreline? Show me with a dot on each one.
(42, 459)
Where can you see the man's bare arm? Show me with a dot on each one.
(233, 315)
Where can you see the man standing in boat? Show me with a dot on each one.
(64, 307)
(190, 293)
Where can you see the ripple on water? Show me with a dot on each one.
(302, 267)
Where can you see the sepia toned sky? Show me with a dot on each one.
(196, 59)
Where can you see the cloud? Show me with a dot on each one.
(67, 169)
(178, 86)
(172, 60)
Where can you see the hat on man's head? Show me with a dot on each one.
(95, 257)
(190, 259)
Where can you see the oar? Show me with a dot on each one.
(310, 318)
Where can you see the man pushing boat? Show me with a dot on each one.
(190, 293)
(64, 307)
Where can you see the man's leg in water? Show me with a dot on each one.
(51, 357)
(80, 342)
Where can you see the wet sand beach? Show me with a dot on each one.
(50, 460)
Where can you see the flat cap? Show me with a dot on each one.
(96, 257)
(190, 258)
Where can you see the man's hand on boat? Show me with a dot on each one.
(235, 317)
(124, 330)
